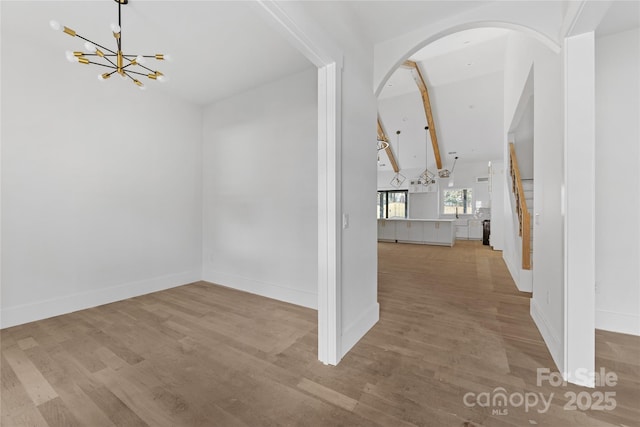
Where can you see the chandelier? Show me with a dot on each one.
(398, 178)
(382, 145)
(114, 60)
(427, 177)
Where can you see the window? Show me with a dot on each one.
(392, 204)
(458, 201)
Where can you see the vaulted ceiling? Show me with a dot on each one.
(463, 72)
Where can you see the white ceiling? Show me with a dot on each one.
(463, 73)
(226, 47)
(220, 48)
(460, 56)
(623, 15)
(383, 20)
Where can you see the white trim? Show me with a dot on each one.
(549, 335)
(329, 230)
(513, 270)
(44, 309)
(623, 323)
(579, 207)
(354, 332)
(526, 281)
(584, 17)
(522, 278)
(328, 59)
(574, 9)
(265, 289)
(542, 38)
(288, 27)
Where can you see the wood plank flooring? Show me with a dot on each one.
(452, 326)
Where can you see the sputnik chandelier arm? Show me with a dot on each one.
(114, 60)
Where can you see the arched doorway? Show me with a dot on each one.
(540, 50)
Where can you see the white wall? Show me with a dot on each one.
(260, 190)
(522, 137)
(547, 304)
(356, 179)
(429, 205)
(424, 205)
(497, 190)
(358, 258)
(617, 182)
(464, 176)
(100, 187)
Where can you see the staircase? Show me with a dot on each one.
(522, 209)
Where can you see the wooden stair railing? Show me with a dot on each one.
(524, 218)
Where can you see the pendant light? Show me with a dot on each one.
(398, 178)
(427, 177)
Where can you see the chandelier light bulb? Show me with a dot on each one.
(162, 78)
(115, 60)
(90, 47)
(168, 57)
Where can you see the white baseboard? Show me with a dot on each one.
(515, 272)
(522, 278)
(549, 334)
(265, 289)
(354, 332)
(623, 323)
(526, 281)
(25, 313)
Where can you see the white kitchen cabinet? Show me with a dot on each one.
(402, 230)
(386, 230)
(446, 233)
(424, 231)
(430, 232)
(409, 231)
(462, 231)
(417, 232)
(475, 229)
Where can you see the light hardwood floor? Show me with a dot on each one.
(452, 324)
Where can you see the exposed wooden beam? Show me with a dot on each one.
(417, 76)
(382, 136)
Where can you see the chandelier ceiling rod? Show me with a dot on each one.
(123, 62)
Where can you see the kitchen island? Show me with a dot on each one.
(423, 231)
